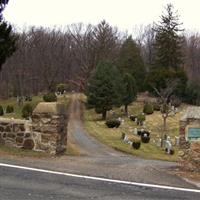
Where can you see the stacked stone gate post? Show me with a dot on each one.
(49, 124)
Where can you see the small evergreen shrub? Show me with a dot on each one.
(140, 119)
(133, 117)
(145, 139)
(145, 133)
(1, 111)
(171, 152)
(50, 97)
(148, 109)
(27, 110)
(136, 144)
(9, 109)
(113, 123)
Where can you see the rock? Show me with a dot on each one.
(19, 140)
(28, 144)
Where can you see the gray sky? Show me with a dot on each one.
(125, 14)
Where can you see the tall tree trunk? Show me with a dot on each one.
(126, 110)
(104, 115)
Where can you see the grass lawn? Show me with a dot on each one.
(112, 137)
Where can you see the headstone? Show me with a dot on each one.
(168, 146)
(177, 139)
(135, 131)
(125, 138)
(130, 143)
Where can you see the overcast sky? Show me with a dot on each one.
(125, 14)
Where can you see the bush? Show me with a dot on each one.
(1, 111)
(136, 144)
(171, 151)
(113, 123)
(9, 109)
(140, 119)
(148, 109)
(145, 139)
(27, 111)
(50, 97)
(156, 106)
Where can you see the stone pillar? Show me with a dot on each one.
(182, 126)
(49, 122)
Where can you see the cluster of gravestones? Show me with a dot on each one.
(144, 138)
(167, 144)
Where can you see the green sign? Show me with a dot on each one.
(193, 133)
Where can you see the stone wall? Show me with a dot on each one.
(189, 154)
(46, 132)
(16, 133)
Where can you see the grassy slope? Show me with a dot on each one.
(97, 128)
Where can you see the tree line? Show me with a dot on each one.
(41, 58)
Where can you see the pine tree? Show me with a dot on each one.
(105, 88)
(168, 42)
(7, 38)
(130, 61)
(130, 92)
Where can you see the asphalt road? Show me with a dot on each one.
(20, 184)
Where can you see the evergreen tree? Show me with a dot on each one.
(168, 55)
(7, 38)
(105, 88)
(130, 92)
(130, 61)
(168, 42)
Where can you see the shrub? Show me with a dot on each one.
(50, 97)
(148, 109)
(9, 109)
(171, 152)
(113, 123)
(145, 139)
(136, 144)
(1, 111)
(133, 117)
(156, 106)
(27, 110)
(140, 119)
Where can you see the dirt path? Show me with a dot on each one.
(87, 144)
